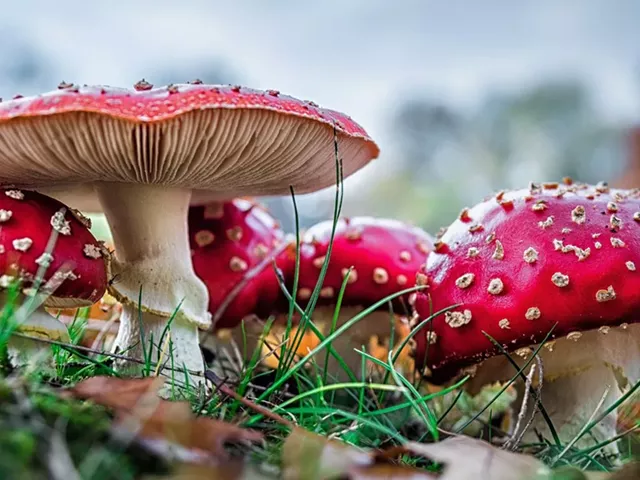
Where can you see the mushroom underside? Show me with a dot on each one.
(578, 374)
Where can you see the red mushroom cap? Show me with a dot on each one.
(233, 244)
(384, 254)
(523, 260)
(27, 221)
(217, 136)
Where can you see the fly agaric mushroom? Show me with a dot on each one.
(384, 254)
(44, 243)
(523, 261)
(144, 151)
(233, 244)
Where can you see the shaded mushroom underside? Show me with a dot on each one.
(226, 151)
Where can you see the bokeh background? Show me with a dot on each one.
(463, 97)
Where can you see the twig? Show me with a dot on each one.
(517, 434)
(215, 380)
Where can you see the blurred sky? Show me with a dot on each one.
(358, 56)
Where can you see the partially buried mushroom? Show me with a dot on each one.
(48, 252)
(380, 257)
(523, 262)
(141, 153)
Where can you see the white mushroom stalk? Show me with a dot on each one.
(32, 353)
(152, 257)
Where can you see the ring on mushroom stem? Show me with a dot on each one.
(139, 154)
(568, 256)
(43, 243)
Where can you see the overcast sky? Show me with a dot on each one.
(359, 56)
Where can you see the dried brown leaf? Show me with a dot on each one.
(308, 455)
(468, 458)
(139, 409)
(389, 471)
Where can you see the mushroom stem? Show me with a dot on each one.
(152, 262)
(25, 352)
(577, 373)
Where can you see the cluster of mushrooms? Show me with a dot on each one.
(174, 170)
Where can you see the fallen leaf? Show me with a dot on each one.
(228, 471)
(389, 471)
(306, 455)
(139, 410)
(467, 458)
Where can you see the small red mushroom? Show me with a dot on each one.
(42, 240)
(383, 256)
(526, 260)
(233, 244)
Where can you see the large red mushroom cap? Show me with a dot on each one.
(27, 222)
(240, 141)
(233, 245)
(384, 254)
(523, 260)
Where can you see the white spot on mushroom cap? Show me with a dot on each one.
(457, 319)
(472, 252)
(530, 255)
(326, 292)
(546, 223)
(401, 279)
(578, 215)
(631, 266)
(319, 261)
(615, 223)
(60, 224)
(22, 244)
(405, 256)
(304, 293)
(5, 215)
(504, 323)
(204, 238)
(533, 313)
(6, 281)
(606, 295)
(15, 194)
(237, 264)
(560, 280)
(495, 286)
(616, 242)
(498, 253)
(380, 275)
(92, 251)
(235, 233)
(539, 206)
(45, 260)
(465, 281)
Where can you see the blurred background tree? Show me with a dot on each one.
(447, 159)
